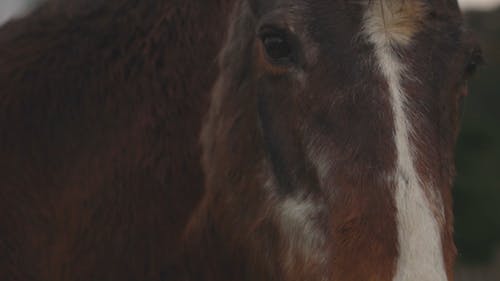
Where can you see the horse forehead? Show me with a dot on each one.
(399, 17)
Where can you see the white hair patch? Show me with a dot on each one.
(419, 231)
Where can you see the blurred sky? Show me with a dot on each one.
(479, 4)
(9, 8)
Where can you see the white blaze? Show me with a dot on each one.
(419, 232)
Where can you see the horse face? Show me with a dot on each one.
(328, 148)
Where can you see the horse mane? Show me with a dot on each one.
(101, 105)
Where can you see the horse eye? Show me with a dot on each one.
(471, 68)
(278, 48)
(474, 62)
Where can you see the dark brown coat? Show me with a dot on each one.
(100, 110)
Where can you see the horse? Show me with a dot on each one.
(231, 140)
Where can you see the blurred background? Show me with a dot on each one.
(477, 189)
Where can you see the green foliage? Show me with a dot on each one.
(477, 190)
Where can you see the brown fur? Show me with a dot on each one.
(102, 176)
(100, 110)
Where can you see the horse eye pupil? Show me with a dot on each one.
(277, 48)
(471, 68)
(475, 60)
